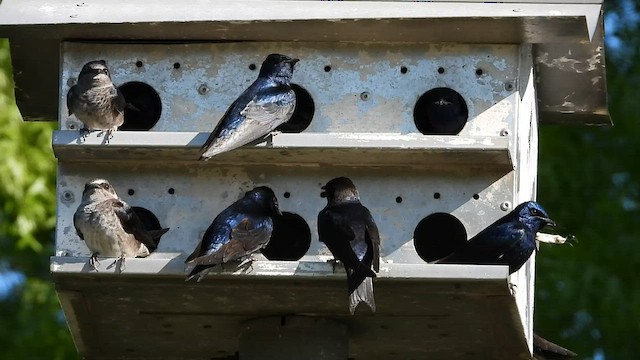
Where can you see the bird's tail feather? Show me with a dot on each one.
(360, 291)
(362, 294)
(157, 234)
(199, 271)
(545, 349)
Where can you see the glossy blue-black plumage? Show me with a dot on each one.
(509, 241)
(268, 102)
(238, 231)
(349, 231)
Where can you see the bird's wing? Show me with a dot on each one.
(246, 237)
(271, 105)
(373, 236)
(227, 236)
(132, 224)
(501, 238)
(70, 94)
(196, 252)
(490, 244)
(76, 220)
(118, 101)
(337, 230)
(256, 113)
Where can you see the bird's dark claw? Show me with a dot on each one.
(84, 132)
(120, 264)
(247, 263)
(108, 134)
(334, 263)
(94, 262)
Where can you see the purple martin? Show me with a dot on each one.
(237, 232)
(544, 349)
(261, 108)
(349, 231)
(509, 241)
(95, 100)
(110, 227)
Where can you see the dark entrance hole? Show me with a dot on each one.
(290, 240)
(148, 218)
(143, 106)
(303, 113)
(440, 111)
(438, 235)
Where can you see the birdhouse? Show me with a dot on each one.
(368, 85)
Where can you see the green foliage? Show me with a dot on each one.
(588, 295)
(31, 325)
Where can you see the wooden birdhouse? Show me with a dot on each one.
(368, 76)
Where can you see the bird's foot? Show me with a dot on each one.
(119, 264)
(247, 263)
(202, 274)
(334, 262)
(94, 262)
(512, 289)
(84, 132)
(108, 135)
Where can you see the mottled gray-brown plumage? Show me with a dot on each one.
(95, 100)
(110, 227)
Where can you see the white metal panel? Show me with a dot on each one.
(201, 192)
(346, 127)
(355, 68)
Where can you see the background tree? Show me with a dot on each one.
(31, 323)
(588, 295)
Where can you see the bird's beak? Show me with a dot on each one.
(547, 221)
(293, 61)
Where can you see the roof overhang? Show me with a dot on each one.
(567, 37)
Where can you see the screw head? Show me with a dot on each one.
(365, 96)
(67, 196)
(508, 86)
(505, 206)
(203, 89)
(504, 132)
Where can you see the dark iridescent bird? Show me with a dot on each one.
(509, 241)
(110, 227)
(237, 232)
(261, 108)
(95, 100)
(544, 349)
(351, 234)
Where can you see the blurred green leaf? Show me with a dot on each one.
(31, 324)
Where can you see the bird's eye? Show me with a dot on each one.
(534, 212)
(106, 186)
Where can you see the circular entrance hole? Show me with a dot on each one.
(149, 220)
(290, 240)
(303, 113)
(143, 106)
(438, 235)
(440, 111)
